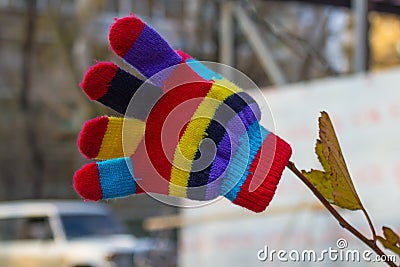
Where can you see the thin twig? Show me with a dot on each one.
(370, 243)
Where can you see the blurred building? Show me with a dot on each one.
(365, 112)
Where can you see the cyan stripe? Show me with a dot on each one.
(116, 178)
(250, 143)
(227, 148)
(202, 70)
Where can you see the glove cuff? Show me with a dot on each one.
(257, 189)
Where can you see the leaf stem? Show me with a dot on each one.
(371, 226)
(370, 243)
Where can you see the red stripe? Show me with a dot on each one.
(123, 34)
(162, 130)
(98, 79)
(87, 182)
(91, 136)
(147, 178)
(265, 172)
(183, 55)
(181, 74)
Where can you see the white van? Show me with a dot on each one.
(62, 234)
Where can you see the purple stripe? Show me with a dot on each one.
(236, 127)
(151, 54)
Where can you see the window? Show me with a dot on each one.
(32, 228)
(82, 225)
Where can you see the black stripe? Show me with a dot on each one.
(121, 91)
(216, 130)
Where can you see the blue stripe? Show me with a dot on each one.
(202, 70)
(250, 143)
(116, 178)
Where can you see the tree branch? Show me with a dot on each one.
(370, 243)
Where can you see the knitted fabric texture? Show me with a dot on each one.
(191, 133)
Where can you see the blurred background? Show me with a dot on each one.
(306, 56)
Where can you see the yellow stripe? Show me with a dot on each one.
(228, 84)
(122, 135)
(194, 134)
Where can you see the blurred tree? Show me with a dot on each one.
(44, 112)
(46, 46)
(27, 110)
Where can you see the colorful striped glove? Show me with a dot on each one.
(187, 132)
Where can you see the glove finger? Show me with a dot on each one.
(141, 46)
(106, 179)
(102, 138)
(108, 84)
(147, 51)
(119, 177)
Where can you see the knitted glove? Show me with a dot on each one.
(187, 131)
